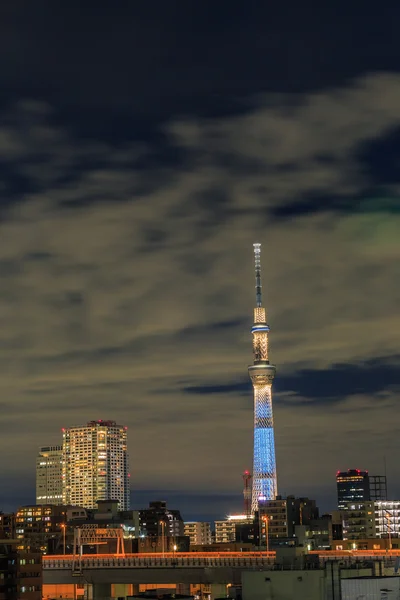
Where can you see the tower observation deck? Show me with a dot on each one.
(262, 374)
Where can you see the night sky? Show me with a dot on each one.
(144, 146)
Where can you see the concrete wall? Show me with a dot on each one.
(284, 585)
(374, 588)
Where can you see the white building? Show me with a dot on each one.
(49, 475)
(387, 518)
(95, 464)
(199, 532)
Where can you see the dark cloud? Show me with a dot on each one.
(335, 383)
(241, 387)
(342, 380)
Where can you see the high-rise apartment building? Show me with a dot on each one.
(95, 464)
(49, 475)
(199, 533)
(352, 486)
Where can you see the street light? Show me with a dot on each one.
(175, 549)
(162, 523)
(388, 515)
(63, 527)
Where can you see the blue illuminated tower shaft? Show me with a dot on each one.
(262, 374)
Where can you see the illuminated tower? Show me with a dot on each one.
(262, 375)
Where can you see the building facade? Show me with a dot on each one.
(279, 517)
(372, 520)
(262, 374)
(387, 519)
(226, 530)
(20, 572)
(49, 475)
(359, 521)
(352, 486)
(199, 532)
(40, 527)
(160, 521)
(7, 526)
(95, 464)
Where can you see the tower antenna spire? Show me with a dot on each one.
(257, 264)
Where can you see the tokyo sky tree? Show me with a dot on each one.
(262, 374)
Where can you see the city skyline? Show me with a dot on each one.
(129, 205)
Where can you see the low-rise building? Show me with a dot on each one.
(158, 520)
(225, 531)
(387, 520)
(40, 527)
(358, 520)
(199, 532)
(366, 520)
(279, 517)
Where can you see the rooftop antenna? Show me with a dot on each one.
(257, 261)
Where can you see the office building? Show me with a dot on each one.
(95, 464)
(199, 532)
(352, 486)
(49, 475)
(262, 374)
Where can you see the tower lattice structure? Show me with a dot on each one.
(262, 374)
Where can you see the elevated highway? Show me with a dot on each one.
(187, 568)
(192, 567)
